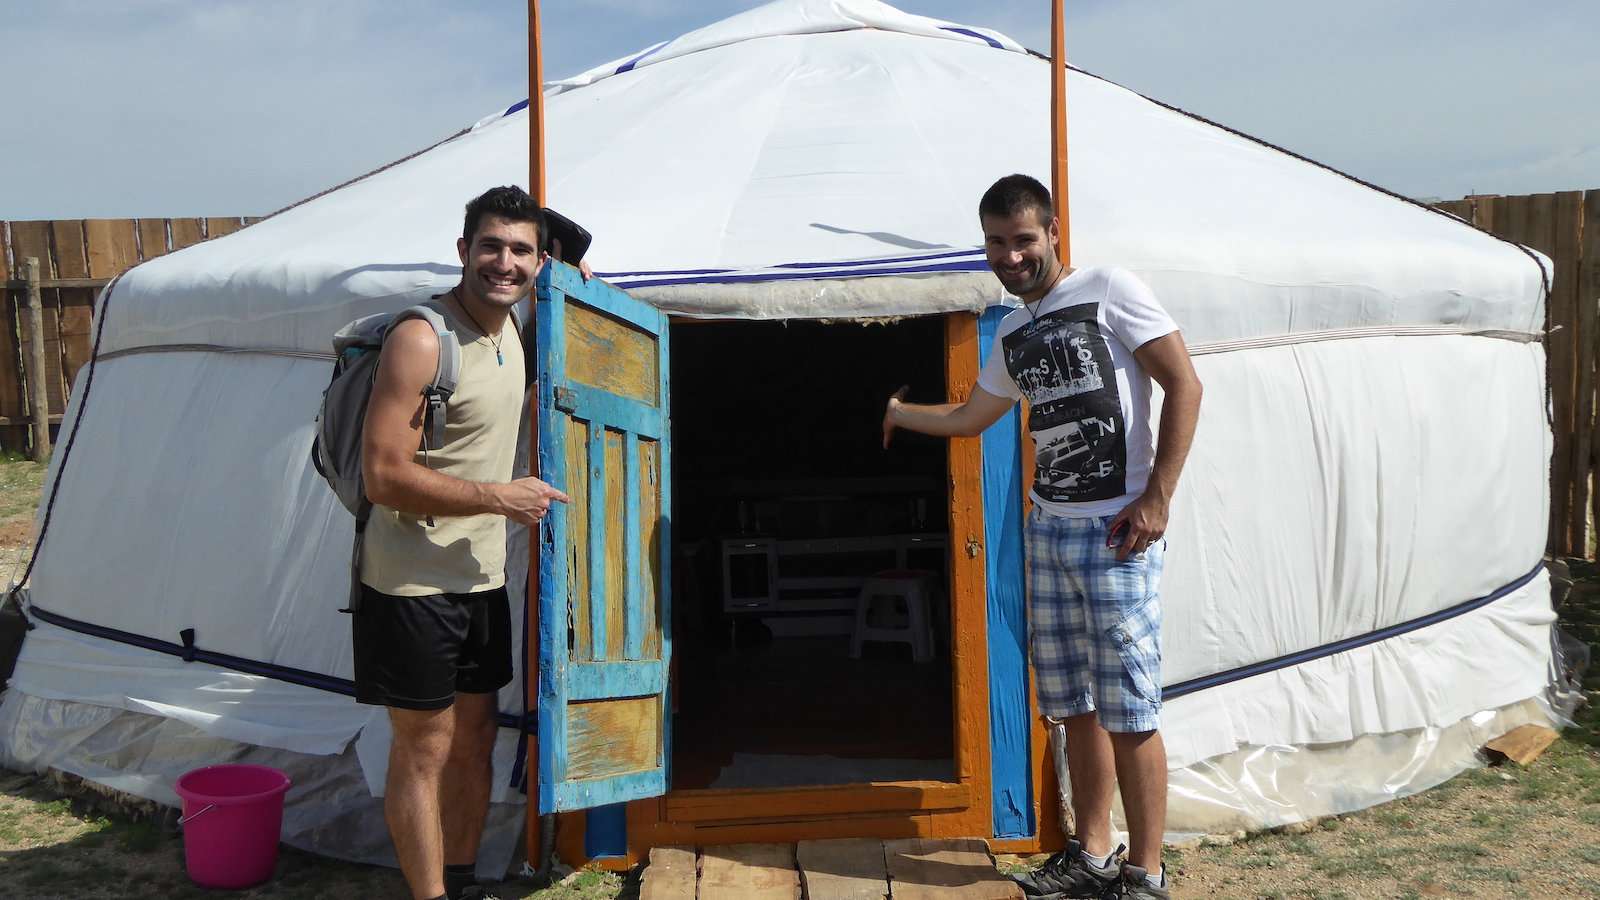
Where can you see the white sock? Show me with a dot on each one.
(1158, 878)
(1099, 862)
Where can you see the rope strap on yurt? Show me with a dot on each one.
(188, 650)
(1368, 331)
(66, 453)
(1351, 643)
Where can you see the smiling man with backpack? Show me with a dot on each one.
(431, 625)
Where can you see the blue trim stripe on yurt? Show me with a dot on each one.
(612, 275)
(1010, 713)
(515, 108)
(976, 254)
(1351, 643)
(973, 265)
(628, 66)
(970, 33)
(882, 260)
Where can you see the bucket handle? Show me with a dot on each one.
(183, 820)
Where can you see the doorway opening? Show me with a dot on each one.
(811, 567)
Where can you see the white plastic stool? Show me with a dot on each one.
(876, 603)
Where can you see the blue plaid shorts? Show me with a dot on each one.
(1094, 623)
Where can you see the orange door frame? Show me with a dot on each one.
(961, 808)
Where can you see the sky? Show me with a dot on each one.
(142, 108)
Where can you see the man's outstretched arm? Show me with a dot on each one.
(944, 419)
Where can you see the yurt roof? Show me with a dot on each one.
(823, 158)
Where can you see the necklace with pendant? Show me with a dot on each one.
(1060, 274)
(499, 359)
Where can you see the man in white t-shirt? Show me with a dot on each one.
(1083, 350)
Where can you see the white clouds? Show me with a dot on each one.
(239, 108)
(181, 107)
(1427, 98)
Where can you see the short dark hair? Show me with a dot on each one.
(507, 202)
(1015, 193)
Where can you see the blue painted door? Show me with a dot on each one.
(604, 641)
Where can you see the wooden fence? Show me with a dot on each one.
(76, 257)
(1565, 227)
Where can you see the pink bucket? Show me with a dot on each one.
(231, 818)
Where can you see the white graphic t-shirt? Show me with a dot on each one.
(1071, 354)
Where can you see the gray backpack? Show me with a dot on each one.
(336, 451)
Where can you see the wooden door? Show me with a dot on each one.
(604, 642)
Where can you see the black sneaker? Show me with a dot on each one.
(1130, 884)
(465, 886)
(1068, 874)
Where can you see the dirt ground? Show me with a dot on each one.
(1495, 832)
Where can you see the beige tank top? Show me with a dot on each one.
(407, 557)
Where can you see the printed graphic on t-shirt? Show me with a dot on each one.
(1062, 363)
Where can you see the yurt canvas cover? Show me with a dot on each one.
(1372, 451)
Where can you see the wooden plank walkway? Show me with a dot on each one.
(749, 872)
(848, 869)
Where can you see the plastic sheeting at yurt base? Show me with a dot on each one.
(1336, 486)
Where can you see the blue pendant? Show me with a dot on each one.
(498, 359)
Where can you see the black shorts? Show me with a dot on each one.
(419, 652)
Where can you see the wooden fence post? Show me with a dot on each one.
(38, 390)
(1566, 255)
(1589, 295)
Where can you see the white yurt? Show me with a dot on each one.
(1354, 594)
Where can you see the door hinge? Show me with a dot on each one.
(972, 548)
(566, 399)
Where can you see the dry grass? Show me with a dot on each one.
(1498, 832)
(57, 846)
(20, 481)
(57, 841)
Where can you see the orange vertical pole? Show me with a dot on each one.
(1058, 124)
(1052, 833)
(536, 185)
(530, 627)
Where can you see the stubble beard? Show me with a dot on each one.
(1042, 275)
(473, 287)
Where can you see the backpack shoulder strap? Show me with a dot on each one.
(447, 374)
(521, 313)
